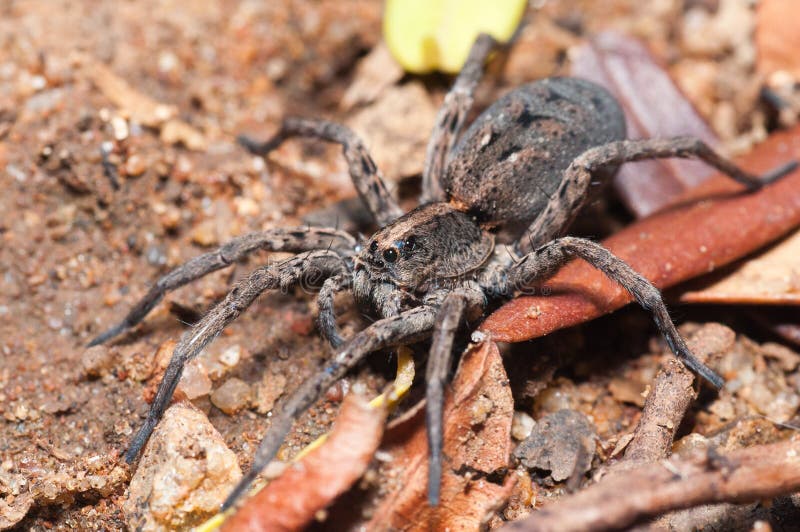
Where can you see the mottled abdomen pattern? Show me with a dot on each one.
(510, 162)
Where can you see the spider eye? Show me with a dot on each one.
(410, 243)
(390, 255)
(373, 247)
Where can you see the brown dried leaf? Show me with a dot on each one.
(669, 247)
(291, 501)
(477, 442)
(777, 38)
(375, 73)
(396, 129)
(771, 277)
(654, 107)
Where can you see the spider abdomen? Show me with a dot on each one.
(511, 160)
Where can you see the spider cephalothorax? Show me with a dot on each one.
(524, 165)
(432, 245)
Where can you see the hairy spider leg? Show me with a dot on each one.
(451, 118)
(456, 305)
(563, 205)
(546, 260)
(282, 275)
(364, 172)
(285, 239)
(326, 320)
(408, 327)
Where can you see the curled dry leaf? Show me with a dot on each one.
(477, 444)
(291, 501)
(654, 107)
(771, 277)
(683, 242)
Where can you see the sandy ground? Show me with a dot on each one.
(75, 251)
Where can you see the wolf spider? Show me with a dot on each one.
(528, 160)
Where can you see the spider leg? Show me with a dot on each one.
(546, 260)
(365, 174)
(294, 239)
(563, 205)
(326, 320)
(281, 275)
(453, 310)
(410, 326)
(451, 118)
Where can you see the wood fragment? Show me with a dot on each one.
(670, 397)
(621, 499)
(140, 107)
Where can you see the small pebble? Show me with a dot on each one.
(185, 473)
(135, 165)
(521, 425)
(170, 218)
(205, 233)
(97, 361)
(195, 381)
(120, 127)
(267, 392)
(232, 396)
(231, 356)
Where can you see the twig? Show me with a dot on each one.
(670, 397)
(622, 498)
(664, 409)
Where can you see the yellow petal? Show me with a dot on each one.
(425, 35)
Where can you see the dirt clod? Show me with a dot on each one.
(560, 443)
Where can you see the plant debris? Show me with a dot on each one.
(477, 446)
(308, 486)
(770, 277)
(617, 501)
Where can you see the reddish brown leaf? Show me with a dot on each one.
(291, 501)
(771, 277)
(669, 247)
(477, 444)
(654, 107)
(777, 38)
